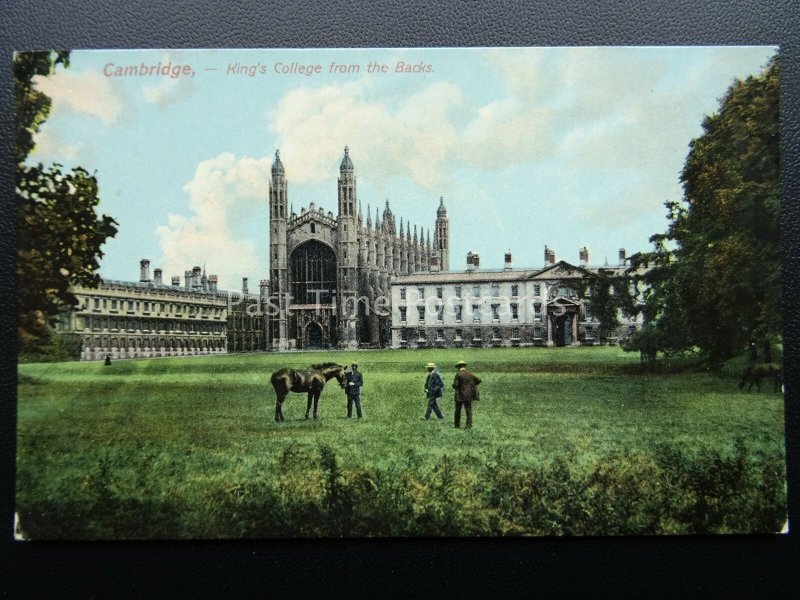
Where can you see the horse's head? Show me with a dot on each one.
(341, 376)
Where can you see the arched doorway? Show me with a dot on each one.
(315, 336)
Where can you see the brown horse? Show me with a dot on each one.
(754, 373)
(313, 381)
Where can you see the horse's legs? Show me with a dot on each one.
(308, 405)
(316, 403)
(278, 410)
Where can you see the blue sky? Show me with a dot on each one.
(565, 147)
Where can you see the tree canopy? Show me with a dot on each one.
(716, 277)
(58, 231)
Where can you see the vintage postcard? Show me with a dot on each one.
(398, 292)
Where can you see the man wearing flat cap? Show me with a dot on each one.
(353, 390)
(434, 386)
(466, 387)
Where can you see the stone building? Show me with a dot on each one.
(548, 306)
(247, 318)
(328, 272)
(147, 318)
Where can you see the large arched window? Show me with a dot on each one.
(312, 272)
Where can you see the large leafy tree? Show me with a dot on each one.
(716, 281)
(59, 233)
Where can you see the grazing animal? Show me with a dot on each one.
(312, 382)
(754, 373)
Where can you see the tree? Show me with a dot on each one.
(58, 231)
(720, 286)
(604, 305)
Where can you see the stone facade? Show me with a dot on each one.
(328, 272)
(149, 319)
(550, 306)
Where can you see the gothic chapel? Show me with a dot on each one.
(329, 273)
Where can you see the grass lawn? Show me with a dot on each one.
(187, 447)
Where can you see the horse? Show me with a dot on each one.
(313, 381)
(754, 373)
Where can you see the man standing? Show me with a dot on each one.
(466, 387)
(354, 382)
(434, 386)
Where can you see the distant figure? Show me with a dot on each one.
(466, 387)
(753, 352)
(353, 390)
(434, 386)
(108, 359)
(754, 373)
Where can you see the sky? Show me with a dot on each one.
(564, 147)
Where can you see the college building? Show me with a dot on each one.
(550, 306)
(328, 272)
(345, 280)
(126, 319)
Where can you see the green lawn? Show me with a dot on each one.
(187, 447)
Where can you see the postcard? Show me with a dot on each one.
(399, 293)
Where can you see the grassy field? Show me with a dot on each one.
(571, 441)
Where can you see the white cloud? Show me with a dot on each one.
(88, 93)
(222, 195)
(170, 90)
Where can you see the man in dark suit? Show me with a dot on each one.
(353, 390)
(466, 387)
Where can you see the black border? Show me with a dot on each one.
(565, 567)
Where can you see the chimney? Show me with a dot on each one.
(622, 256)
(549, 256)
(157, 276)
(476, 260)
(583, 256)
(187, 275)
(196, 273)
(470, 264)
(144, 267)
(244, 286)
(212, 283)
(176, 280)
(264, 289)
(507, 262)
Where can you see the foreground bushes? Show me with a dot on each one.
(307, 493)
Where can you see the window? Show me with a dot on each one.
(97, 303)
(440, 335)
(439, 292)
(537, 289)
(105, 303)
(515, 334)
(496, 333)
(402, 293)
(403, 335)
(476, 335)
(476, 291)
(458, 335)
(514, 311)
(313, 228)
(495, 290)
(440, 313)
(114, 305)
(402, 314)
(421, 335)
(458, 313)
(421, 293)
(514, 290)
(130, 306)
(457, 291)
(537, 311)
(495, 312)
(476, 313)
(421, 310)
